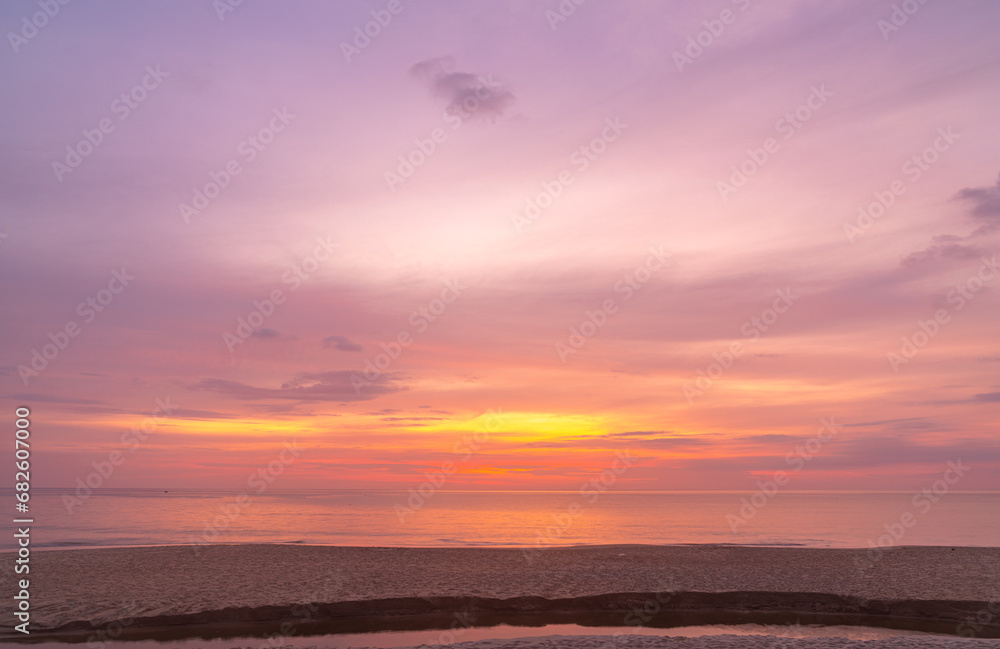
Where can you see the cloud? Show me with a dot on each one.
(44, 398)
(436, 411)
(769, 438)
(985, 209)
(467, 94)
(185, 413)
(879, 451)
(272, 334)
(341, 343)
(945, 246)
(686, 441)
(985, 205)
(906, 425)
(305, 386)
(642, 433)
(634, 439)
(888, 451)
(655, 439)
(276, 409)
(988, 397)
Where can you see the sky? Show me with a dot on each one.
(723, 238)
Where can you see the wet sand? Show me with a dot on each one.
(177, 592)
(726, 642)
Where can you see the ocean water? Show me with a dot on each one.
(510, 519)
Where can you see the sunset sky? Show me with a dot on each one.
(473, 181)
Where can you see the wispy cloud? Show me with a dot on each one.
(341, 343)
(465, 92)
(305, 386)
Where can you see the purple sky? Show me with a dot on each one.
(823, 104)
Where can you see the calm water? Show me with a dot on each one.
(390, 639)
(376, 518)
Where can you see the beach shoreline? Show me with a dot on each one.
(221, 591)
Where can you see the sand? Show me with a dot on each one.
(724, 642)
(176, 587)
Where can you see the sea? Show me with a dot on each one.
(133, 517)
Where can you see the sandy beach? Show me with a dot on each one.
(725, 642)
(222, 590)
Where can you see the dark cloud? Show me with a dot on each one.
(670, 442)
(276, 409)
(908, 425)
(306, 386)
(185, 413)
(770, 437)
(988, 397)
(45, 398)
(654, 439)
(633, 439)
(272, 334)
(861, 453)
(643, 433)
(557, 471)
(341, 343)
(437, 412)
(944, 247)
(888, 451)
(467, 94)
(985, 210)
(985, 205)
(99, 410)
